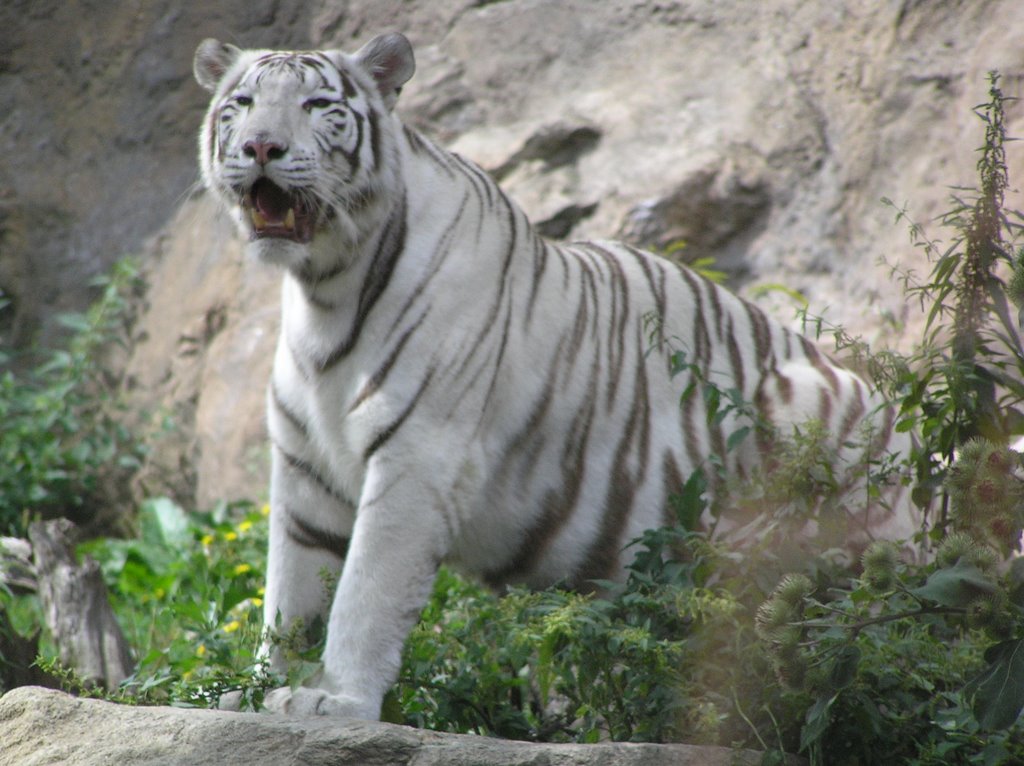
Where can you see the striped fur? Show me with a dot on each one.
(449, 386)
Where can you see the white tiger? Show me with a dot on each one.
(448, 386)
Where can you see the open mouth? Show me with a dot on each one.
(275, 213)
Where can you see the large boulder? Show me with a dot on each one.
(39, 727)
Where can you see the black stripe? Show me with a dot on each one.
(855, 411)
(785, 387)
(382, 438)
(496, 365)
(346, 84)
(313, 537)
(735, 356)
(540, 262)
(489, 323)
(558, 504)
(375, 139)
(602, 558)
(617, 324)
(310, 472)
(657, 291)
(764, 356)
(821, 364)
(716, 304)
(701, 338)
(440, 254)
(378, 276)
(824, 407)
(672, 482)
(420, 145)
(290, 415)
(377, 379)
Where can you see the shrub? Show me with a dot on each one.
(60, 438)
(188, 596)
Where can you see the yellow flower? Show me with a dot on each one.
(231, 536)
(232, 626)
(245, 526)
(257, 602)
(265, 510)
(241, 569)
(200, 650)
(207, 540)
(262, 591)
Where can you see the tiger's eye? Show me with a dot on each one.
(317, 103)
(243, 100)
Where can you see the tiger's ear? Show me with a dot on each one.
(389, 60)
(213, 58)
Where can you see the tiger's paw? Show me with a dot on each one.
(306, 701)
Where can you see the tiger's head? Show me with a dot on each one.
(300, 144)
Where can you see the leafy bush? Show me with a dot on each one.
(188, 596)
(60, 438)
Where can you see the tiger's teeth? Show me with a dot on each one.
(257, 219)
(289, 219)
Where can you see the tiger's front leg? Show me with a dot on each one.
(310, 530)
(398, 542)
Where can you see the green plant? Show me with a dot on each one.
(966, 378)
(60, 439)
(960, 391)
(187, 592)
(562, 666)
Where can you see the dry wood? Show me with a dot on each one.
(76, 606)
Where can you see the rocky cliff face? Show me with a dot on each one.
(762, 134)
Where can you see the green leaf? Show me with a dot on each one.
(956, 586)
(998, 691)
(689, 504)
(817, 721)
(164, 523)
(906, 424)
(844, 667)
(736, 438)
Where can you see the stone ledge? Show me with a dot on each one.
(41, 727)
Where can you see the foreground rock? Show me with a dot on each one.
(40, 726)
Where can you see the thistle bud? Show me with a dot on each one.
(960, 545)
(772, 616)
(990, 613)
(793, 589)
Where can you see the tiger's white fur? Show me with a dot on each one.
(450, 387)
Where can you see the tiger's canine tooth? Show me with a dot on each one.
(257, 219)
(289, 219)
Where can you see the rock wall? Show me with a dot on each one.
(98, 116)
(763, 135)
(39, 727)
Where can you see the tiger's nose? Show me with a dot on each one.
(263, 151)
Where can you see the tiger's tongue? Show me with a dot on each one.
(271, 200)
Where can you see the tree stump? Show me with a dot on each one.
(77, 608)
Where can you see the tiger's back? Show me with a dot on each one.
(449, 386)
